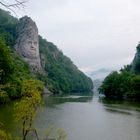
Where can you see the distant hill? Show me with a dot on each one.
(99, 74)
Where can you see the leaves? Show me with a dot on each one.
(6, 62)
(29, 87)
(5, 136)
(121, 85)
(25, 110)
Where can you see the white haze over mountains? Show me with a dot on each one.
(93, 33)
(99, 74)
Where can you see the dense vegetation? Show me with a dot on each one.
(12, 71)
(8, 27)
(124, 84)
(60, 74)
(25, 111)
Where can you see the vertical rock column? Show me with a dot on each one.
(136, 61)
(27, 43)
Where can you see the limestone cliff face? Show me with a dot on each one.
(136, 61)
(27, 43)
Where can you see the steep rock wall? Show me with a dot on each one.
(27, 43)
(136, 61)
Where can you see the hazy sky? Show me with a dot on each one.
(93, 33)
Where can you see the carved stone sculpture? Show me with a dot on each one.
(27, 43)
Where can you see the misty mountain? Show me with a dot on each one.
(99, 74)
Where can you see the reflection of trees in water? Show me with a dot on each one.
(122, 112)
(54, 100)
(120, 106)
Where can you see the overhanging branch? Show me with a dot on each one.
(17, 4)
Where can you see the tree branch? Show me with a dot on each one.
(17, 4)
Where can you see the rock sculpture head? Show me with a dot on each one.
(27, 43)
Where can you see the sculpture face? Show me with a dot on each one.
(32, 47)
(29, 48)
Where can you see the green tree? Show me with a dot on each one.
(25, 110)
(4, 135)
(4, 98)
(110, 85)
(135, 87)
(6, 62)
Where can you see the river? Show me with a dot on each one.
(84, 118)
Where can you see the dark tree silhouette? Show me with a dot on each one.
(14, 4)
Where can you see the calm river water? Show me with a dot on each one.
(84, 118)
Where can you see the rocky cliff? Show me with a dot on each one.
(135, 66)
(27, 42)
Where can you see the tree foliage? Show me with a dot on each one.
(4, 135)
(6, 62)
(12, 71)
(12, 68)
(26, 109)
(8, 27)
(122, 85)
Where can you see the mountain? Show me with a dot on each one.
(31, 56)
(99, 74)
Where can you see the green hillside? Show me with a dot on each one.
(61, 72)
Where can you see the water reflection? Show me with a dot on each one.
(6, 117)
(118, 111)
(55, 100)
(120, 106)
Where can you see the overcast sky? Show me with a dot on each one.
(93, 33)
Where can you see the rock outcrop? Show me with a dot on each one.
(27, 43)
(135, 65)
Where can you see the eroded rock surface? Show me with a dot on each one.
(136, 62)
(27, 43)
